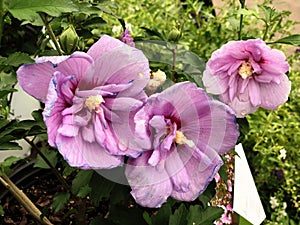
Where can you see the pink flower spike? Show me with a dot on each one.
(247, 75)
(90, 100)
(188, 130)
(127, 39)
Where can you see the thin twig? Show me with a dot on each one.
(24, 200)
(50, 31)
(174, 52)
(241, 21)
(53, 169)
(4, 183)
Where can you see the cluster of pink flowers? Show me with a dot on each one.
(224, 191)
(97, 113)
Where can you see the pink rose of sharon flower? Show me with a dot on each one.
(247, 75)
(184, 132)
(89, 100)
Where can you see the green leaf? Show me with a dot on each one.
(9, 161)
(15, 130)
(8, 128)
(37, 115)
(193, 66)
(243, 221)
(208, 194)
(101, 221)
(7, 80)
(101, 188)
(268, 11)
(3, 122)
(18, 58)
(290, 40)
(84, 191)
(179, 216)
(87, 8)
(51, 155)
(82, 178)
(162, 216)
(243, 128)
(119, 193)
(199, 216)
(67, 169)
(27, 10)
(223, 174)
(1, 211)
(7, 92)
(155, 33)
(147, 218)
(10, 146)
(26, 124)
(59, 201)
(246, 12)
(121, 214)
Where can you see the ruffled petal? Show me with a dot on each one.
(274, 61)
(241, 108)
(35, 78)
(52, 113)
(158, 123)
(177, 172)
(88, 134)
(273, 95)
(254, 93)
(122, 104)
(203, 118)
(128, 65)
(85, 155)
(150, 185)
(68, 127)
(103, 45)
(213, 84)
(200, 171)
(141, 128)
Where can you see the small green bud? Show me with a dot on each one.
(174, 35)
(69, 40)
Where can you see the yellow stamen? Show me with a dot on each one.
(181, 139)
(245, 70)
(93, 102)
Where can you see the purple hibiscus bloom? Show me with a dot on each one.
(247, 75)
(184, 131)
(90, 99)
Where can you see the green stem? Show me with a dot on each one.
(2, 13)
(174, 52)
(50, 31)
(53, 169)
(241, 21)
(266, 32)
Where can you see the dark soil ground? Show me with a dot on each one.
(40, 186)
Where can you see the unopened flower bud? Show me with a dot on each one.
(69, 40)
(127, 39)
(174, 35)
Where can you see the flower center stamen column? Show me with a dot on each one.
(245, 70)
(93, 103)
